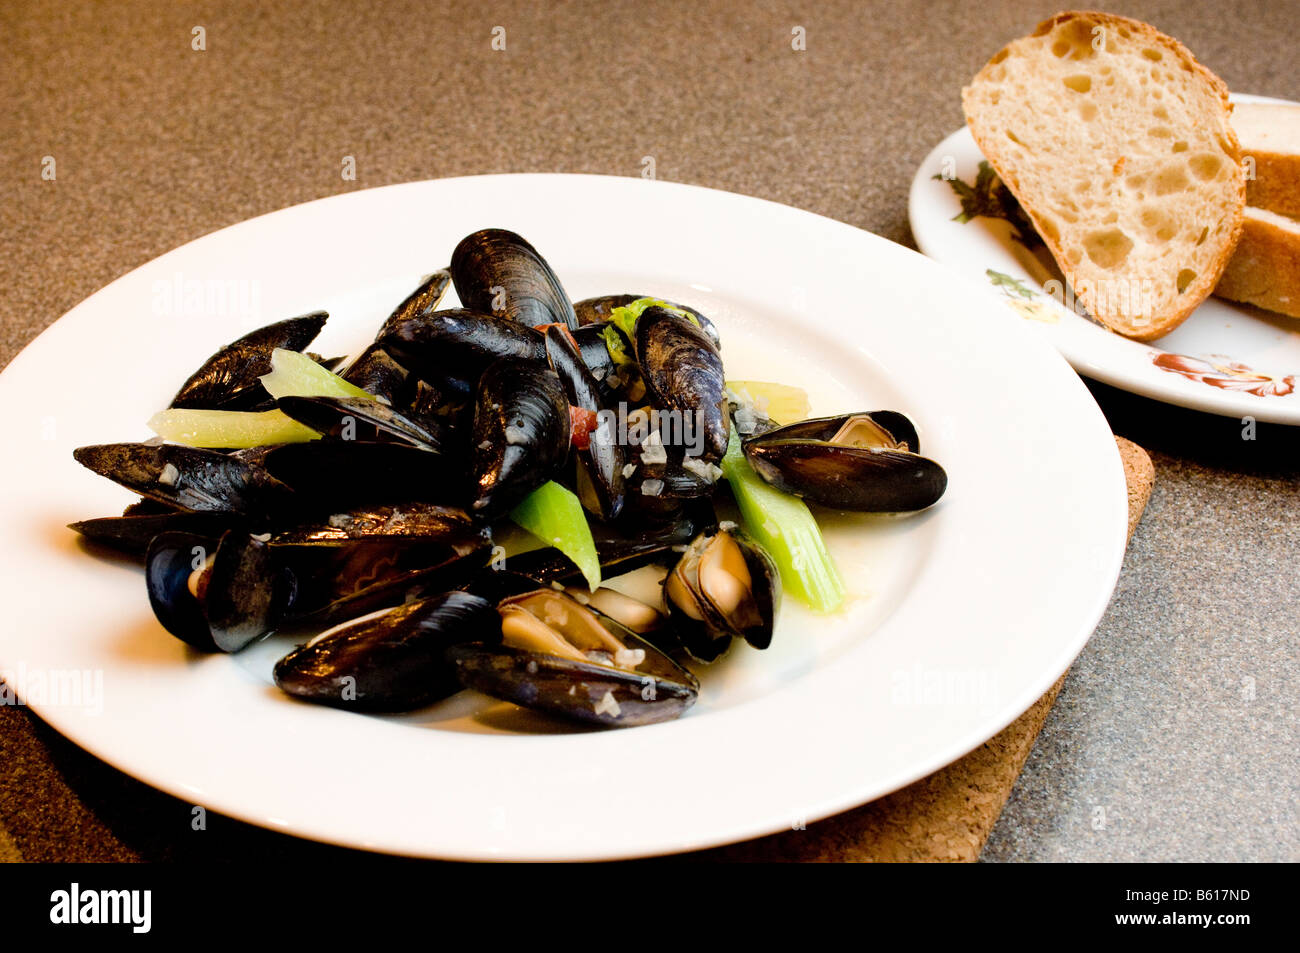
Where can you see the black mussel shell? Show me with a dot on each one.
(390, 661)
(683, 374)
(800, 459)
(335, 578)
(598, 310)
(458, 345)
(497, 272)
(602, 459)
(376, 373)
(420, 302)
(401, 520)
(592, 694)
(362, 419)
(520, 436)
(132, 533)
(329, 476)
(240, 597)
(899, 431)
(190, 478)
(228, 380)
(617, 556)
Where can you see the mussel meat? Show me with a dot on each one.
(725, 586)
(558, 656)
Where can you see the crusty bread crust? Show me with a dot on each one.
(1175, 299)
(1270, 136)
(1265, 269)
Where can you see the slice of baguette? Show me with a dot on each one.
(1117, 143)
(1270, 137)
(1265, 268)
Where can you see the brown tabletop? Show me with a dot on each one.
(156, 143)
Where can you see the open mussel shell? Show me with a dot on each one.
(852, 462)
(215, 594)
(189, 478)
(334, 577)
(559, 657)
(602, 458)
(392, 660)
(497, 272)
(683, 375)
(458, 345)
(229, 379)
(725, 586)
(520, 437)
(359, 418)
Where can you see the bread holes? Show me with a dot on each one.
(1172, 178)
(1016, 139)
(1154, 55)
(1001, 55)
(1160, 112)
(1079, 82)
(1205, 232)
(1087, 110)
(1047, 228)
(1059, 49)
(1185, 278)
(1160, 132)
(1205, 166)
(1180, 146)
(1108, 248)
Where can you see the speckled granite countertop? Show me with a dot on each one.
(1175, 734)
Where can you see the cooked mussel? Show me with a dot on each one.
(376, 373)
(598, 451)
(458, 345)
(683, 374)
(560, 657)
(217, 594)
(229, 379)
(131, 533)
(360, 418)
(725, 586)
(601, 309)
(520, 435)
(497, 272)
(189, 478)
(392, 660)
(868, 462)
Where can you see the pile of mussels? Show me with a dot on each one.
(379, 532)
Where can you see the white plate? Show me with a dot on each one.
(1227, 358)
(961, 617)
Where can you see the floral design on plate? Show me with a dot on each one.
(1228, 375)
(1021, 298)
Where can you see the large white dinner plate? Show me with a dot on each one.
(1227, 358)
(959, 618)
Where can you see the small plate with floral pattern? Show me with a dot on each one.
(1227, 358)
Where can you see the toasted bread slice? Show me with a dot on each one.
(1118, 145)
(1265, 268)
(1270, 139)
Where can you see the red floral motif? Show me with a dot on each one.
(1225, 376)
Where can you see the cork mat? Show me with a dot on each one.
(60, 804)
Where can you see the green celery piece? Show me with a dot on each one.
(783, 525)
(235, 429)
(621, 330)
(296, 375)
(555, 516)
